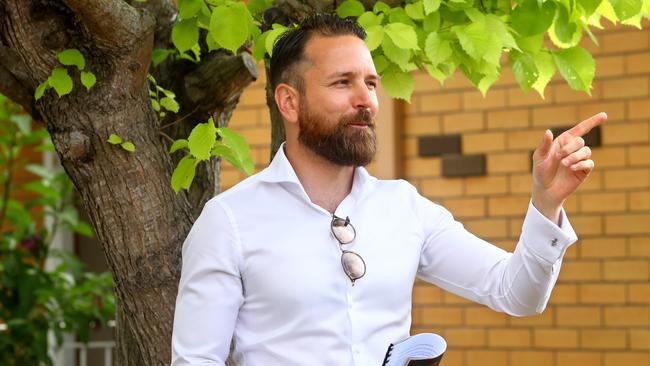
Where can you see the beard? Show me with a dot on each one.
(339, 143)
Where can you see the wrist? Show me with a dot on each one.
(551, 210)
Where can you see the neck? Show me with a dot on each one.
(325, 183)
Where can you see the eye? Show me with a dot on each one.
(342, 82)
(372, 84)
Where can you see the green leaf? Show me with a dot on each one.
(88, 79)
(606, 10)
(431, 22)
(398, 84)
(564, 33)
(169, 104)
(430, 6)
(185, 34)
(272, 37)
(474, 39)
(375, 35)
(183, 174)
(128, 146)
(114, 139)
(398, 15)
(256, 7)
(61, 81)
(155, 105)
(229, 25)
(546, 69)
(528, 19)
(524, 69)
(380, 7)
(159, 55)
(626, 9)
(577, 67)
(40, 89)
(201, 140)
(350, 8)
(381, 63)
(487, 81)
(368, 19)
(189, 8)
(83, 229)
(532, 44)
(240, 148)
(40, 171)
(403, 36)
(415, 10)
(400, 56)
(589, 6)
(438, 50)
(259, 46)
(23, 122)
(177, 145)
(72, 57)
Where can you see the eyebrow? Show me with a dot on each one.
(351, 73)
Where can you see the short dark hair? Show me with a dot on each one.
(289, 48)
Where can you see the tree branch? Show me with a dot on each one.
(11, 86)
(112, 23)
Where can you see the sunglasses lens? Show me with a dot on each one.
(353, 265)
(343, 231)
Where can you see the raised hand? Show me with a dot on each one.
(561, 165)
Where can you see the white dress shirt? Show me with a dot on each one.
(261, 267)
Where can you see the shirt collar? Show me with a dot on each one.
(281, 171)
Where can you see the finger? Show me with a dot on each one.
(585, 126)
(571, 146)
(585, 166)
(582, 154)
(545, 145)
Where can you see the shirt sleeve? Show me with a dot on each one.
(517, 283)
(210, 290)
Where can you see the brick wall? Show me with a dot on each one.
(599, 313)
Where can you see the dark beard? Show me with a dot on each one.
(341, 145)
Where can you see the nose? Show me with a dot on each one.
(365, 98)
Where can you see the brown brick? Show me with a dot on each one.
(640, 339)
(579, 358)
(476, 316)
(521, 183)
(449, 298)
(465, 207)
(253, 97)
(555, 338)
(409, 147)
(455, 358)
(425, 83)
(627, 224)
(627, 270)
(627, 359)
(580, 316)
(462, 122)
(631, 316)
(602, 293)
(639, 155)
(508, 206)
(441, 316)
(564, 94)
(531, 358)
(625, 133)
(564, 293)
(432, 103)
(593, 183)
(517, 98)
(548, 117)
(620, 88)
(629, 178)
(602, 247)
(508, 163)
(581, 271)
(441, 187)
(511, 338)
(603, 339)
(640, 246)
(422, 125)
(640, 201)
(475, 358)
(486, 185)
(257, 136)
(466, 337)
(624, 41)
(523, 140)
(244, 117)
(638, 108)
(423, 167)
(508, 119)
(602, 202)
(426, 295)
(587, 225)
(639, 293)
(547, 318)
(610, 66)
(473, 143)
(607, 157)
(475, 100)
(638, 63)
(487, 228)
(615, 110)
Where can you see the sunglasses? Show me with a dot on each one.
(343, 231)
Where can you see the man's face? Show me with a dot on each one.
(338, 106)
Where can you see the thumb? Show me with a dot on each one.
(545, 145)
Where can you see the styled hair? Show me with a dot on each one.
(289, 48)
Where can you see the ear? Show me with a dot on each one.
(287, 98)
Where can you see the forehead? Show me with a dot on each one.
(340, 54)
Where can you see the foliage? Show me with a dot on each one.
(114, 139)
(60, 79)
(34, 300)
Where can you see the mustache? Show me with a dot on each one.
(363, 115)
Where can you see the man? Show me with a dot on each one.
(312, 261)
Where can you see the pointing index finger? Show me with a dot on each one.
(585, 126)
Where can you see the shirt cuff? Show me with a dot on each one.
(545, 238)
